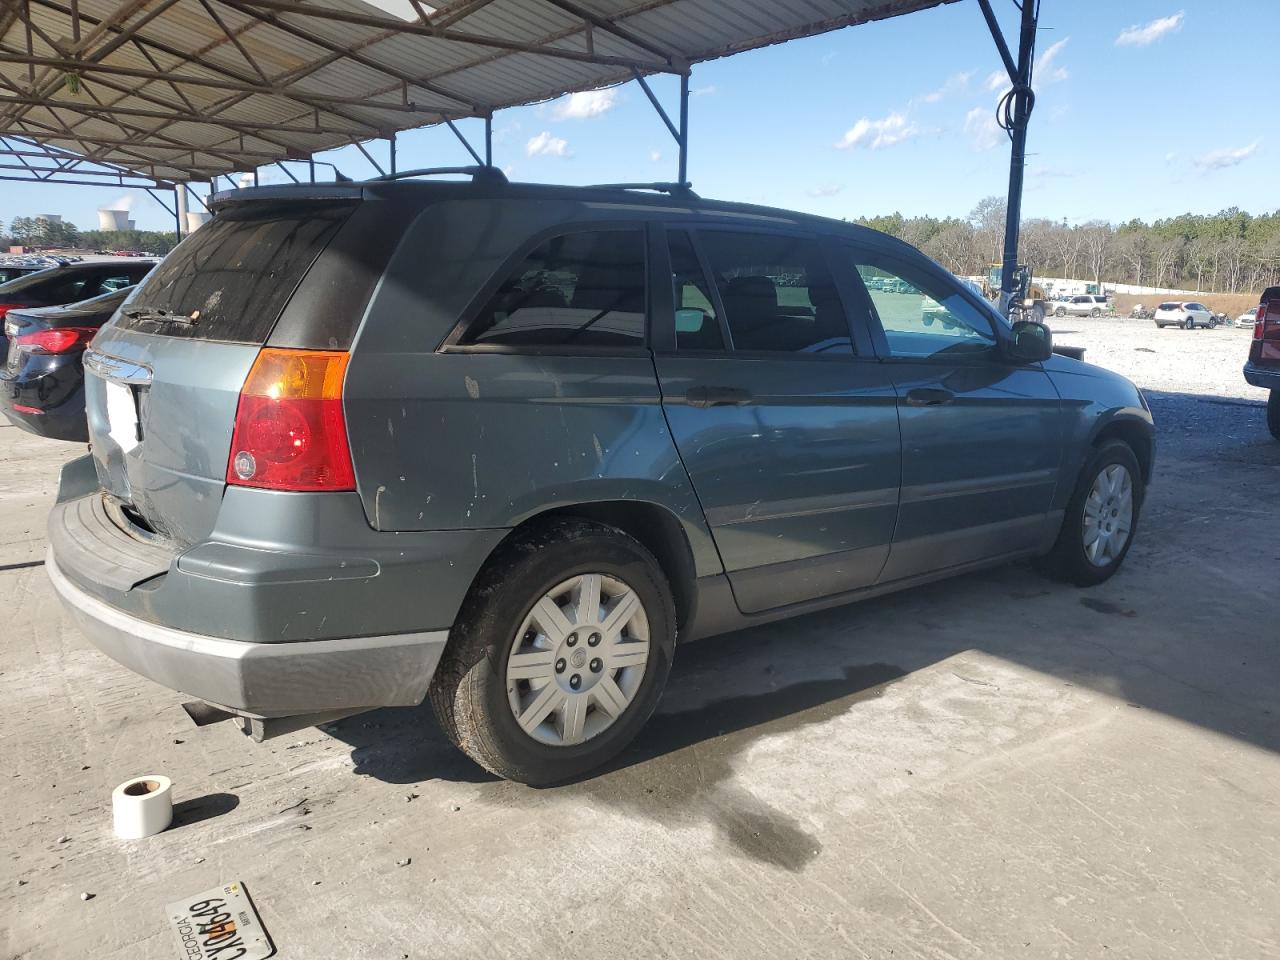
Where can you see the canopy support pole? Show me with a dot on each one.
(391, 145)
(1015, 123)
(488, 140)
(681, 134)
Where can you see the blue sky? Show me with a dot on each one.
(1144, 109)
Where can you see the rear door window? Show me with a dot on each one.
(777, 293)
(580, 289)
(236, 273)
(697, 324)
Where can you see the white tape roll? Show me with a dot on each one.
(142, 807)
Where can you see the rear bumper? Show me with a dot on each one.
(57, 395)
(1266, 377)
(260, 679)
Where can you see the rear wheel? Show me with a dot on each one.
(559, 655)
(1100, 519)
(1189, 324)
(1095, 313)
(1273, 413)
(1060, 312)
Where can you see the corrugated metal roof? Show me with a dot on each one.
(188, 89)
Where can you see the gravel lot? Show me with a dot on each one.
(993, 766)
(1199, 362)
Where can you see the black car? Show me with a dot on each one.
(42, 380)
(70, 283)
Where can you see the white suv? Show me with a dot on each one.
(1188, 316)
(1084, 305)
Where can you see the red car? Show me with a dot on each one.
(1263, 368)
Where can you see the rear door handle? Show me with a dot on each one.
(929, 397)
(717, 397)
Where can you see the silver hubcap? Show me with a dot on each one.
(578, 660)
(1108, 515)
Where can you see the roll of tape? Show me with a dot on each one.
(142, 807)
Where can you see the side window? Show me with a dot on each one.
(697, 327)
(922, 314)
(116, 281)
(78, 286)
(777, 293)
(579, 289)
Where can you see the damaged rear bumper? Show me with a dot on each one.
(261, 680)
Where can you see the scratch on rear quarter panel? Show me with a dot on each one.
(473, 388)
(377, 507)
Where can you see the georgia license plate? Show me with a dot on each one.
(219, 924)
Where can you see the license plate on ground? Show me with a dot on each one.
(219, 924)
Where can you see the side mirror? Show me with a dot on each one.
(689, 320)
(1032, 342)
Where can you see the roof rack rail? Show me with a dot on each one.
(477, 173)
(675, 189)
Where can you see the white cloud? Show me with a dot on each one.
(587, 104)
(544, 144)
(827, 190)
(956, 83)
(877, 134)
(1171, 156)
(655, 156)
(1225, 157)
(710, 90)
(982, 130)
(1142, 35)
(997, 80)
(1046, 72)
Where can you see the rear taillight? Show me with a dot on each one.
(1264, 328)
(59, 340)
(290, 431)
(6, 307)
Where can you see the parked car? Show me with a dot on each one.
(19, 265)
(1263, 367)
(1187, 315)
(42, 380)
(1083, 305)
(324, 478)
(1248, 318)
(70, 283)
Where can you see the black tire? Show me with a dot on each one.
(1060, 312)
(1273, 413)
(1067, 561)
(1095, 313)
(469, 693)
(1188, 324)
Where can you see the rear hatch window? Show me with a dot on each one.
(1170, 306)
(230, 280)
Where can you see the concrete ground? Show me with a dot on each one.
(991, 766)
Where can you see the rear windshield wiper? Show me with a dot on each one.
(160, 315)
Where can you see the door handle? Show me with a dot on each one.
(717, 397)
(929, 397)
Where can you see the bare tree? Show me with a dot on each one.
(1096, 237)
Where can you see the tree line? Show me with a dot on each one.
(61, 235)
(1227, 252)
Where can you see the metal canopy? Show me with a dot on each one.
(180, 90)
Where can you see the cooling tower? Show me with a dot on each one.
(113, 220)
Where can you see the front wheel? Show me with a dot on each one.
(1060, 312)
(1100, 520)
(559, 655)
(1095, 313)
(1273, 413)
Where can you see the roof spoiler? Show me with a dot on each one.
(286, 191)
